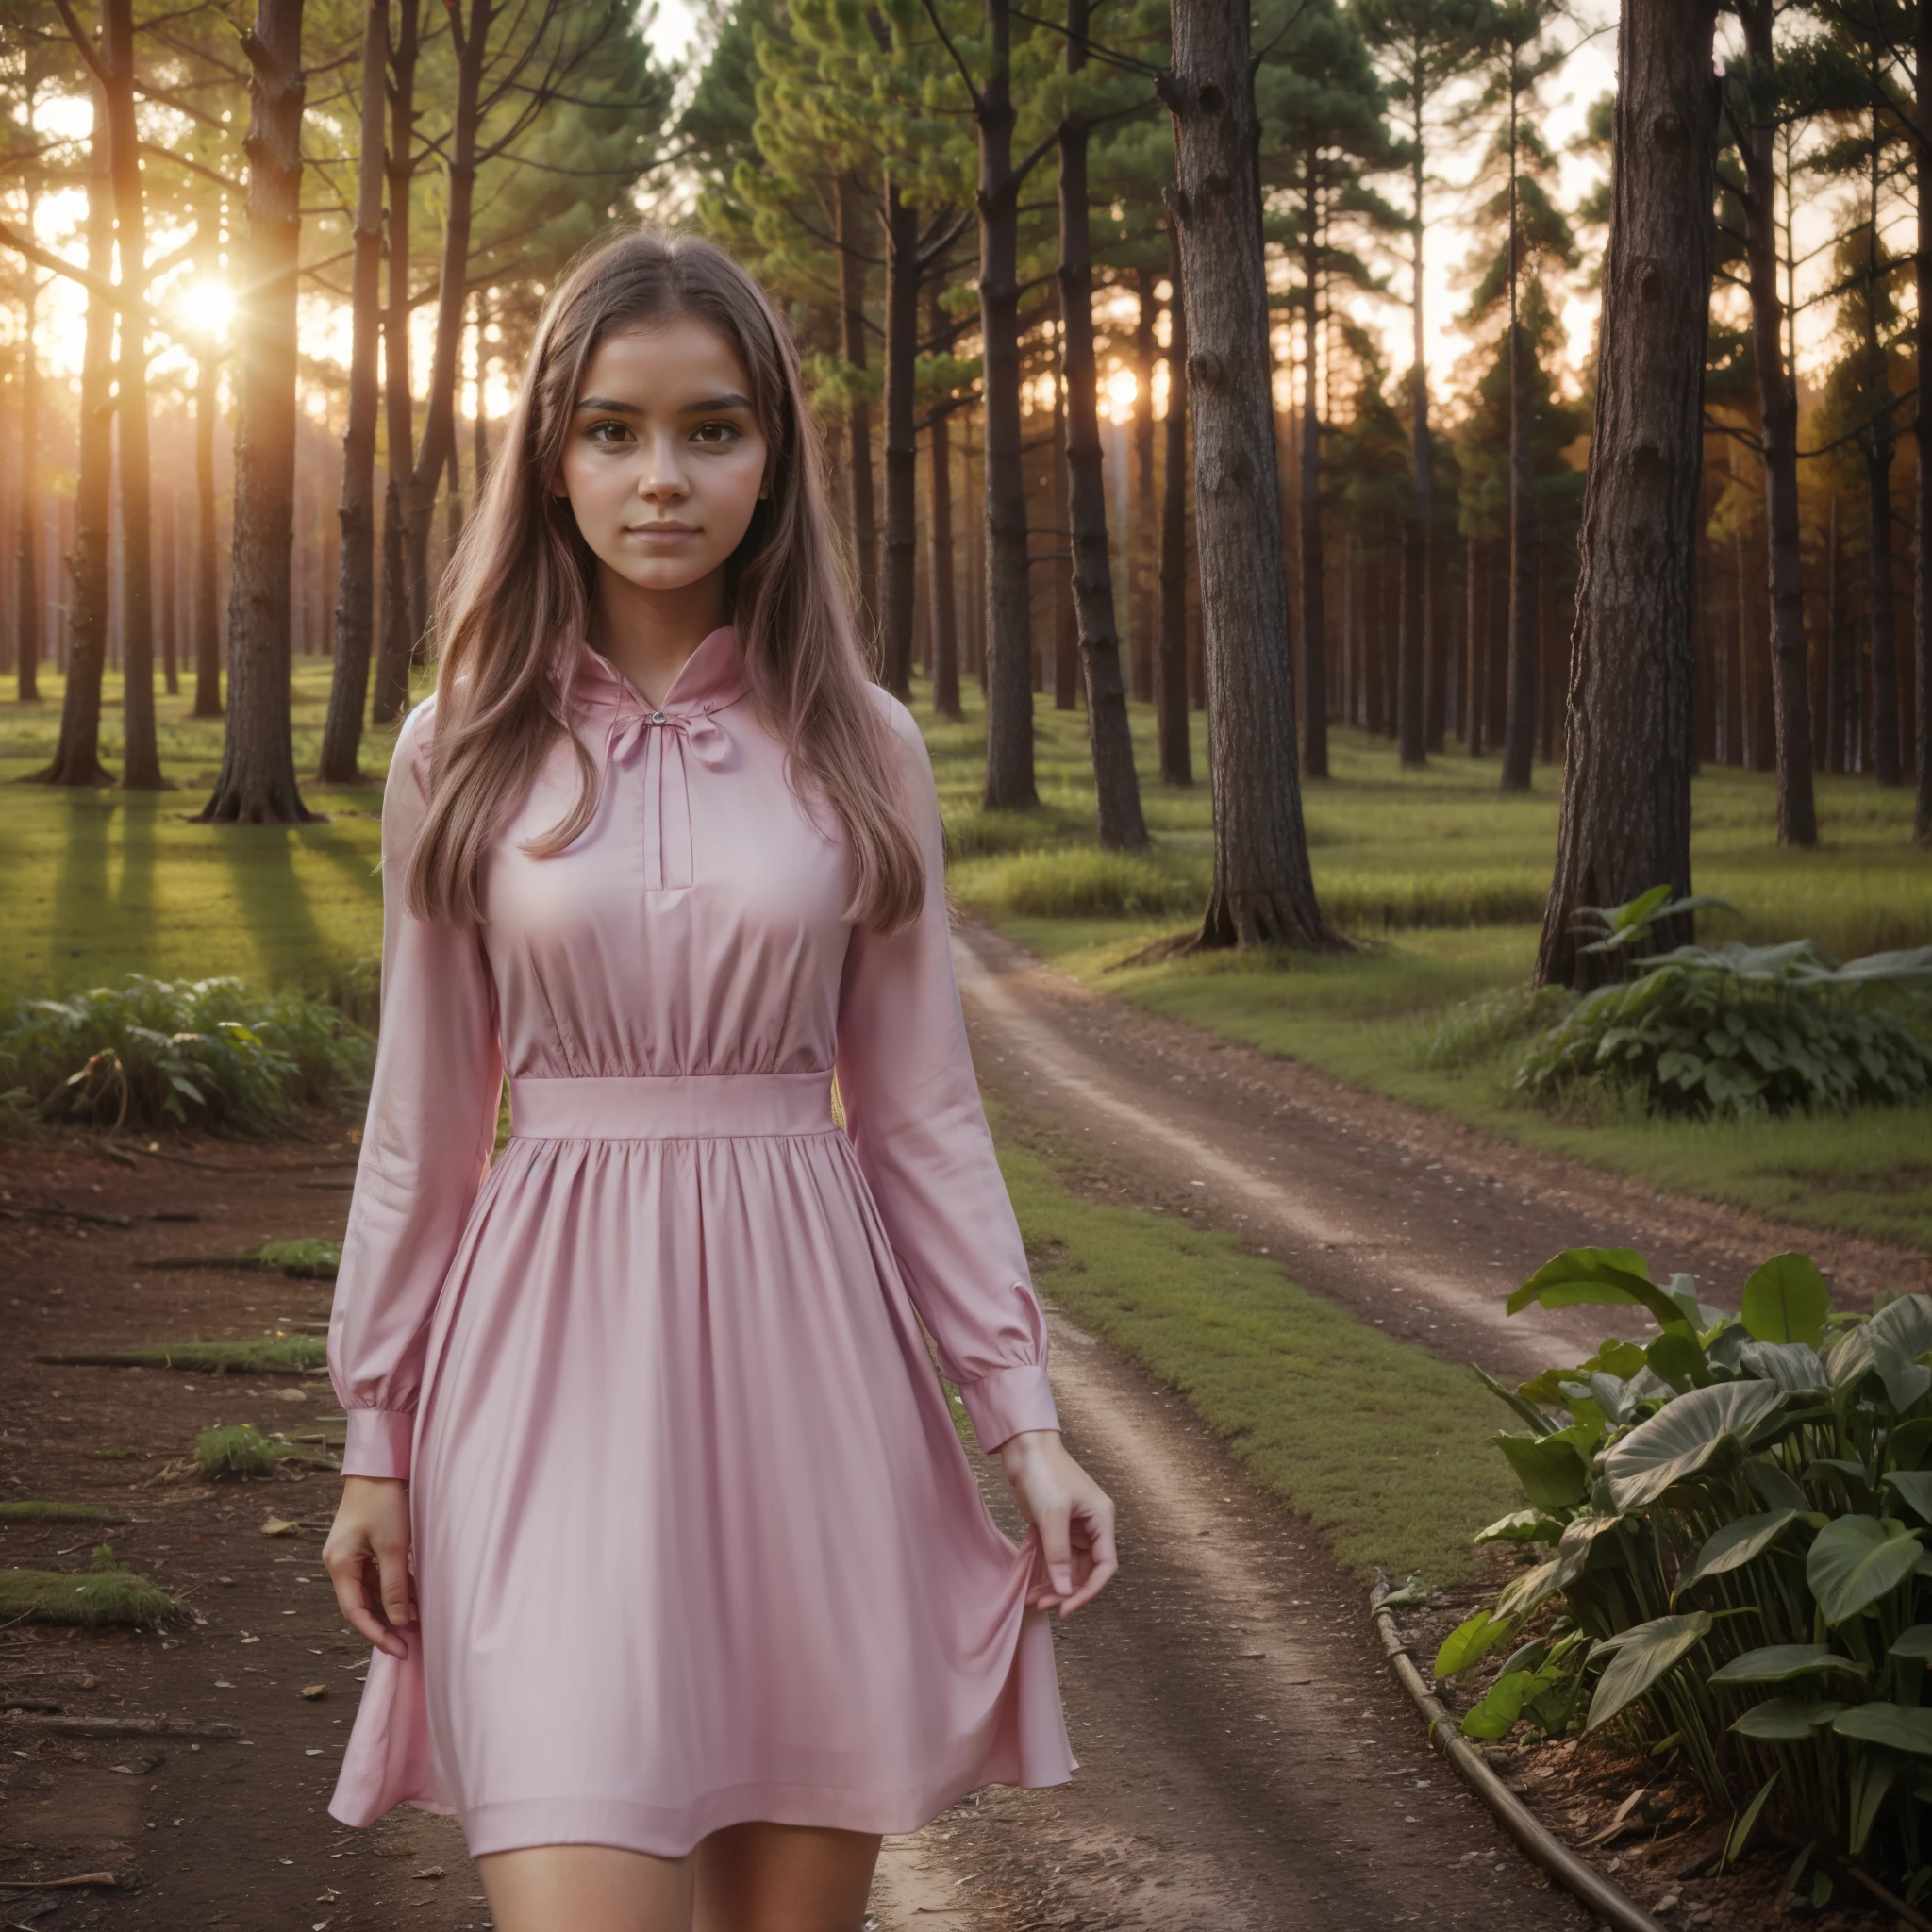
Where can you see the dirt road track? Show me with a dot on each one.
(1410, 1219)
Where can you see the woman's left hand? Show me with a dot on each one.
(1073, 1514)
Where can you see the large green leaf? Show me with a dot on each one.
(1913, 1487)
(1683, 1436)
(1469, 1642)
(1773, 1486)
(1553, 1475)
(1519, 1405)
(1858, 1559)
(1639, 1658)
(1617, 1278)
(1904, 1326)
(1914, 1645)
(1787, 1719)
(1520, 1527)
(1778, 1663)
(1792, 1365)
(1786, 1300)
(1897, 1726)
(1492, 1716)
(1733, 1546)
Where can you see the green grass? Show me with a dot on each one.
(292, 1355)
(56, 1512)
(238, 1449)
(1321, 1407)
(106, 1593)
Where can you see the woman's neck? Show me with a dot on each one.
(648, 634)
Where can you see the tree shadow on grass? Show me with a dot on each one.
(271, 897)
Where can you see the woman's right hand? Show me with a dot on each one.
(367, 1558)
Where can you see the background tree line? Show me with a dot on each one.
(1099, 433)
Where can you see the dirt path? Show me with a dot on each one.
(1416, 1221)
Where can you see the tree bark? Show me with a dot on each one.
(1418, 548)
(1171, 685)
(398, 640)
(1625, 820)
(945, 613)
(1922, 431)
(78, 754)
(140, 765)
(26, 509)
(1797, 817)
(1519, 728)
(1475, 650)
(1263, 890)
(257, 783)
(849, 214)
(1117, 789)
(451, 300)
(902, 441)
(348, 694)
(1009, 780)
(1143, 518)
(207, 622)
(167, 601)
(1314, 567)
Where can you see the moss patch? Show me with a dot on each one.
(109, 1593)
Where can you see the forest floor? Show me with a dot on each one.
(1246, 1762)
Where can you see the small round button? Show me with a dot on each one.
(656, 717)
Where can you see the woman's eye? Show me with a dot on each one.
(608, 432)
(715, 432)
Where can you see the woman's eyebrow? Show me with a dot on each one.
(732, 401)
(609, 408)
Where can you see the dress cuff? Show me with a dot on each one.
(379, 1442)
(1008, 1401)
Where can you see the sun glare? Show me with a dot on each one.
(207, 306)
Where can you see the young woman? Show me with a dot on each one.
(653, 1506)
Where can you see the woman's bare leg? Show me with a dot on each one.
(586, 1889)
(763, 1877)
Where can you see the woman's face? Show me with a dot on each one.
(664, 462)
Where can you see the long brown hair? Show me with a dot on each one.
(514, 606)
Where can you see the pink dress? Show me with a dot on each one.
(696, 1538)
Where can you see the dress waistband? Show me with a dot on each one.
(671, 1107)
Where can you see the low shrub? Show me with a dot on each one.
(1403, 901)
(240, 1449)
(1743, 1031)
(287, 1355)
(205, 1053)
(1726, 1533)
(106, 1592)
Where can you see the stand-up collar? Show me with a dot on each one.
(710, 678)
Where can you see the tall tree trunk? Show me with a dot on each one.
(1066, 628)
(1475, 694)
(1797, 817)
(1625, 822)
(1519, 730)
(479, 423)
(348, 694)
(1418, 547)
(1117, 789)
(451, 300)
(398, 641)
(851, 234)
(1009, 780)
(207, 605)
(1885, 763)
(902, 441)
(78, 754)
(945, 610)
(1314, 566)
(1171, 685)
(1837, 658)
(26, 509)
(1922, 432)
(1263, 889)
(257, 783)
(140, 765)
(1143, 518)
(168, 600)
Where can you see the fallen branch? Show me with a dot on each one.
(133, 1727)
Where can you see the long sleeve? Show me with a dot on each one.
(426, 1143)
(916, 1120)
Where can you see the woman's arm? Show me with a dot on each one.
(425, 1148)
(916, 1120)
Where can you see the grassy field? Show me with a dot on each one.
(1437, 876)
